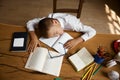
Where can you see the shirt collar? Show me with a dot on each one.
(61, 22)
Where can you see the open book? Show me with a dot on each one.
(81, 59)
(57, 42)
(40, 61)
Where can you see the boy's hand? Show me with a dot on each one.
(34, 42)
(32, 45)
(72, 43)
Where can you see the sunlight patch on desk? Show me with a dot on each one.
(114, 20)
(111, 28)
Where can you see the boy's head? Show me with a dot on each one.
(50, 27)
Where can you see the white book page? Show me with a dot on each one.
(37, 59)
(77, 62)
(53, 65)
(81, 59)
(85, 56)
(49, 41)
(59, 45)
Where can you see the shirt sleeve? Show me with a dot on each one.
(74, 24)
(88, 31)
(31, 23)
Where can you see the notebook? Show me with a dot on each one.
(81, 59)
(19, 41)
(57, 42)
(40, 61)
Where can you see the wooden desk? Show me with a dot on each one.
(12, 63)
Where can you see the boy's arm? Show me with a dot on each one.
(76, 25)
(33, 38)
(34, 42)
(89, 32)
(31, 24)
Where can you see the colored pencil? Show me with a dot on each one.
(84, 76)
(90, 74)
(91, 65)
(99, 67)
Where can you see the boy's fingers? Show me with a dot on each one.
(28, 49)
(31, 47)
(67, 43)
(35, 46)
(68, 46)
(38, 44)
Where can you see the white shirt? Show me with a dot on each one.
(68, 22)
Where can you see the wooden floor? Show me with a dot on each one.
(93, 12)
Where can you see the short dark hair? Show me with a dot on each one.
(44, 26)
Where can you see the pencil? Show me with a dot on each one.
(90, 75)
(97, 69)
(84, 76)
(90, 65)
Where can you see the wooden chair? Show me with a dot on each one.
(78, 10)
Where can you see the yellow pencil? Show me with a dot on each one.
(93, 70)
(84, 76)
(90, 65)
(91, 73)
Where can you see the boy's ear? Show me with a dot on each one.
(55, 21)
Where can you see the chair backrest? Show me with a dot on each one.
(78, 10)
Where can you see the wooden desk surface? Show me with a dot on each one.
(12, 63)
